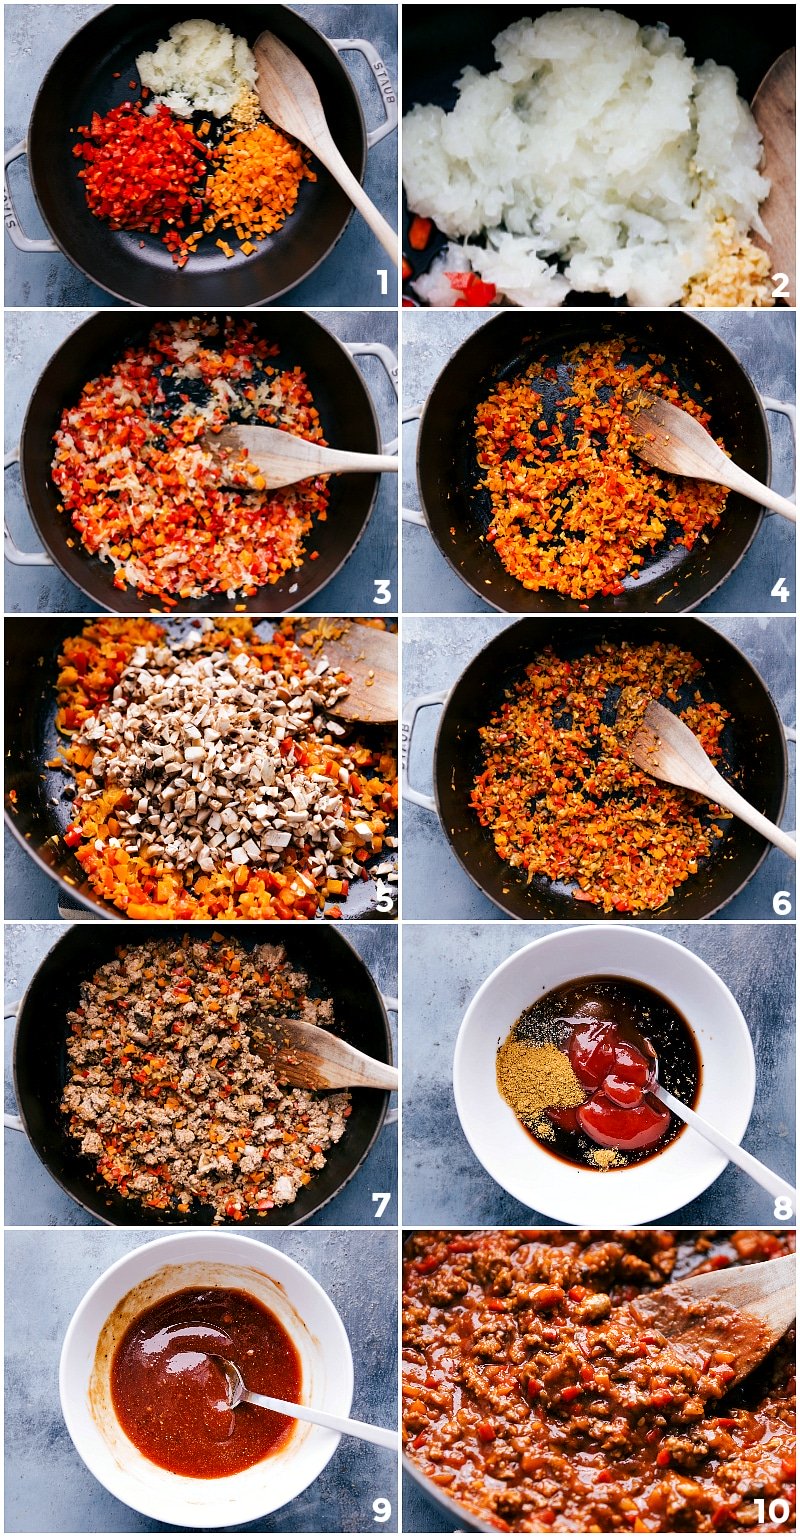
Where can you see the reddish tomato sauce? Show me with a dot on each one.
(170, 1398)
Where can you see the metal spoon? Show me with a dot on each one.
(758, 1171)
(238, 1394)
(667, 748)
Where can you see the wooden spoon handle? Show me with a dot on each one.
(719, 790)
(326, 151)
(747, 485)
(743, 1160)
(338, 461)
(374, 1433)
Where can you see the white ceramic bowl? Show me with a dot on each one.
(642, 1192)
(206, 1259)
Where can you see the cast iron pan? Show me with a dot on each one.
(81, 81)
(748, 38)
(40, 1060)
(346, 412)
(40, 812)
(458, 511)
(754, 758)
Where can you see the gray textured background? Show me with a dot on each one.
(443, 1182)
(763, 341)
(47, 1486)
(436, 652)
(31, 337)
(34, 34)
(33, 1198)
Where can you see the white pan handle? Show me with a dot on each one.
(388, 359)
(12, 550)
(16, 233)
(410, 712)
(784, 409)
(413, 514)
(12, 1122)
(383, 79)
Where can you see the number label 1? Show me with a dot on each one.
(780, 590)
(382, 1199)
(782, 904)
(383, 590)
(383, 278)
(783, 1209)
(381, 1510)
(780, 291)
(777, 1510)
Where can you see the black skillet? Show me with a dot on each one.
(81, 81)
(754, 749)
(346, 412)
(37, 810)
(458, 512)
(748, 38)
(40, 1061)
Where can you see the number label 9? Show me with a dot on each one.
(381, 1510)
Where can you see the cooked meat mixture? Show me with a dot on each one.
(534, 1397)
(164, 1093)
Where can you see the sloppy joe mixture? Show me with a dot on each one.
(170, 1395)
(165, 1093)
(574, 510)
(580, 1066)
(560, 795)
(534, 1397)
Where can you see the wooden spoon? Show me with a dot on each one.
(290, 98)
(307, 1057)
(672, 440)
(774, 112)
(370, 658)
(282, 459)
(745, 1309)
(666, 748)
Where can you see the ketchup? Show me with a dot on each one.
(621, 1112)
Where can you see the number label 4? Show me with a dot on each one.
(780, 590)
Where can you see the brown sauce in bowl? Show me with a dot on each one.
(170, 1397)
(643, 1025)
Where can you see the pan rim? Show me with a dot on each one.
(125, 298)
(555, 600)
(252, 1221)
(599, 916)
(103, 607)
